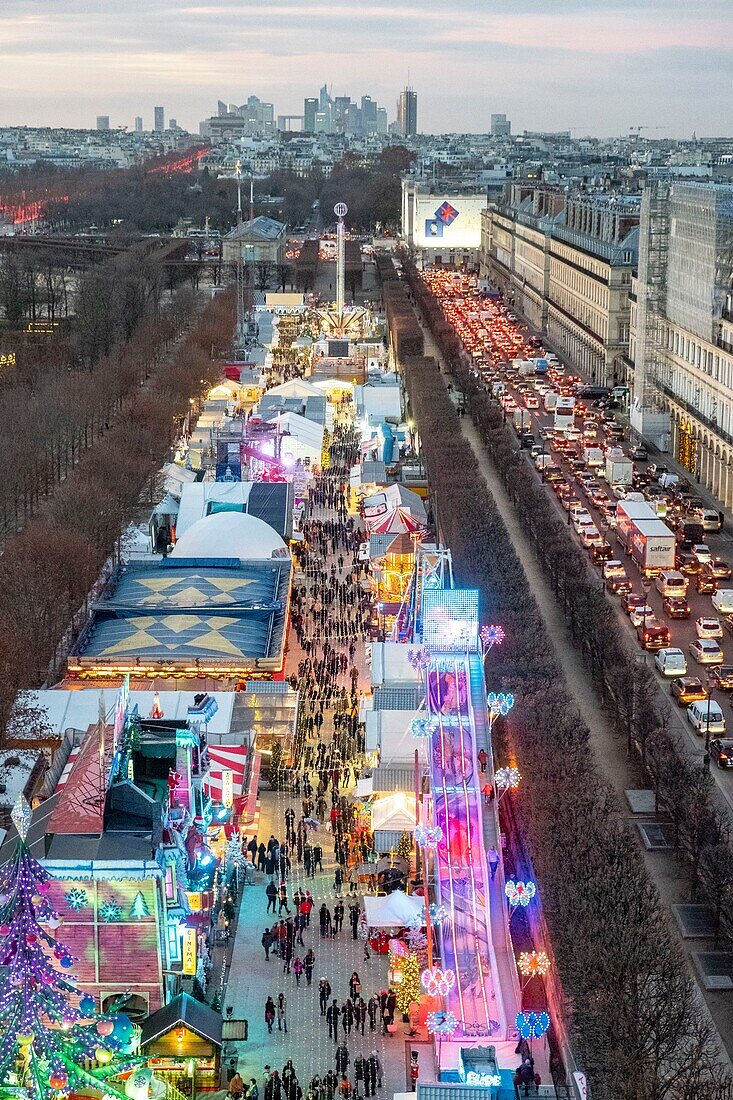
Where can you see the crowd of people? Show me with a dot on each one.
(331, 611)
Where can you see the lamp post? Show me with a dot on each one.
(646, 585)
(706, 754)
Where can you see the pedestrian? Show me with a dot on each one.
(338, 880)
(253, 1092)
(483, 759)
(361, 1013)
(271, 891)
(236, 1087)
(391, 1005)
(288, 1072)
(374, 1058)
(297, 968)
(324, 917)
(269, 1013)
(324, 992)
(338, 915)
(492, 857)
(333, 1015)
(488, 792)
(317, 857)
(261, 857)
(283, 899)
(282, 1013)
(267, 941)
(354, 914)
(373, 1011)
(354, 986)
(345, 1088)
(309, 963)
(342, 1058)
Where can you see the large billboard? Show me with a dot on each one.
(447, 221)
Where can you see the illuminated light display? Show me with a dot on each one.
(441, 1023)
(533, 964)
(428, 836)
(532, 1025)
(423, 727)
(485, 1080)
(45, 1043)
(507, 779)
(450, 620)
(419, 659)
(437, 982)
(490, 636)
(520, 893)
(500, 703)
(438, 913)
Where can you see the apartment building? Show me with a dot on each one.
(681, 320)
(565, 261)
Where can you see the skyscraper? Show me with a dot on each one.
(407, 113)
(500, 126)
(103, 122)
(159, 125)
(138, 124)
(310, 109)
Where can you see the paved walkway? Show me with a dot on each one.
(252, 977)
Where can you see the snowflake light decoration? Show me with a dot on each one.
(419, 659)
(507, 779)
(110, 911)
(423, 727)
(490, 636)
(532, 1025)
(533, 964)
(437, 982)
(441, 1023)
(428, 836)
(438, 913)
(500, 703)
(76, 898)
(520, 893)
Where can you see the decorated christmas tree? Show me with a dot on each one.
(409, 988)
(47, 1028)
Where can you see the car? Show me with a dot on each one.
(653, 635)
(706, 651)
(643, 612)
(547, 433)
(701, 551)
(719, 568)
(613, 568)
(655, 470)
(601, 553)
(591, 536)
(705, 583)
(723, 600)
(728, 623)
(531, 401)
(706, 717)
(527, 441)
(721, 751)
(632, 600)
(676, 607)
(639, 452)
(582, 519)
(721, 677)
(688, 689)
(620, 586)
(707, 626)
(688, 565)
(671, 662)
(553, 474)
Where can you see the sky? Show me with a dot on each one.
(591, 66)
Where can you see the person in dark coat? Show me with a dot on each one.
(373, 1010)
(354, 914)
(333, 1015)
(308, 963)
(361, 1013)
(338, 915)
(267, 941)
(324, 992)
(391, 1005)
(342, 1058)
(261, 857)
(324, 919)
(271, 891)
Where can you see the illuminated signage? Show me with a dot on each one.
(475, 1078)
(7, 359)
(227, 787)
(189, 951)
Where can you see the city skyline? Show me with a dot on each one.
(568, 66)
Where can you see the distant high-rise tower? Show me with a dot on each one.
(103, 122)
(159, 125)
(173, 124)
(310, 110)
(138, 124)
(407, 113)
(500, 126)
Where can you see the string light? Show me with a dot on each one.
(428, 836)
(507, 779)
(500, 703)
(423, 727)
(490, 636)
(437, 982)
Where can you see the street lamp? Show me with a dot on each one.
(706, 755)
(646, 585)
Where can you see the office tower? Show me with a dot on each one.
(407, 113)
(382, 121)
(221, 108)
(138, 124)
(500, 126)
(324, 99)
(173, 124)
(368, 115)
(103, 122)
(159, 119)
(310, 109)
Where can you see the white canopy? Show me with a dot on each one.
(393, 911)
(395, 811)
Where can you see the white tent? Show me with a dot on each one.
(296, 387)
(393, 911)
(302, 438)
(395, 811)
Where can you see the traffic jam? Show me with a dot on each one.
(660, 551)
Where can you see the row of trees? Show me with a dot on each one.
(630, 1002)
(50, 567)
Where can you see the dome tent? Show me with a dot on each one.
(230, 535)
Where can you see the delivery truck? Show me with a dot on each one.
(652, 546)
(619, 469)
(593, 457)
(550, 401)
(628, 512)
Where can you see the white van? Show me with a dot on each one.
(710, 519)
(670, 582)
(671, 662)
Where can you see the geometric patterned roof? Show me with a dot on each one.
(191, 609)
